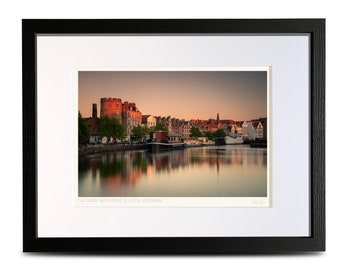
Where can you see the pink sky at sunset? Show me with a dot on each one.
(237, 95)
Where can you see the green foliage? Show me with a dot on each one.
(110, 128)
(140, 162)
(219, 133)
(160, 127)
(195, 132)
(119, 130)
(84, 131)
(108, 169)
(140, 132)
(209, 135)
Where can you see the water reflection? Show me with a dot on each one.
(206, 171)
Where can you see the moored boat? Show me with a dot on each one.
(193, 144)
(234, 140)
(220, 141)
(259, 143)
(164, 141)
(228, 140)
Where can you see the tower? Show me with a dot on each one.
(218, 124)
(94, 110)
(112, 107)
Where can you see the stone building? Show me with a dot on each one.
(258, 128)
(125, 112)
(149, 121)
(167, 121)
(264, 124)
(93, 122)
(180, 126)
(252, 130)
(209, 125)
(236, 129)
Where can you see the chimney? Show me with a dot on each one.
(94, 110)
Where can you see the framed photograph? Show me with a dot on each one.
(190, 136)
(172, 146)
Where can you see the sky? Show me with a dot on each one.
(236, 95)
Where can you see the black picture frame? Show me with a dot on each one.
(176, 245)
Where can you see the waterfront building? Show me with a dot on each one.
(258, 129)
(149, 121)
(165, 120)
(230, 127)
(246, 126)
(185, 129)
(175, 126)
(93, 123)
(252, 130)
(125, 112)
(180, 126)
(112, 107)
(174, 137)
(202, 125)
(210, 125)
(264, 125)
(168, 123)
(236, 129)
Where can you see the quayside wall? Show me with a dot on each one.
(93, 149)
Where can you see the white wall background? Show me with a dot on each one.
(11, 13)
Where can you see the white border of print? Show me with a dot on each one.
(176, 201)
(59, 56)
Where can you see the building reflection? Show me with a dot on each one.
(119, 169)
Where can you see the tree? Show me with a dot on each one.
(110, 128)
(140, 132)
(118, 129)
(219, 133)
(209, 135)
(161, 127)
(84, 131)
(195, 132)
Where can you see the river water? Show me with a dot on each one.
(211, 171)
